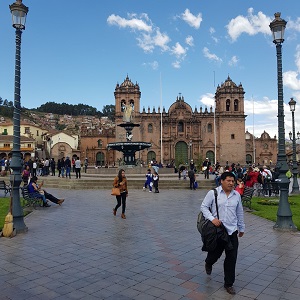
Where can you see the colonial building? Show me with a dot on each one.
(185, 134)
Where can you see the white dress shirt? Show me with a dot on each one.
(231, 212)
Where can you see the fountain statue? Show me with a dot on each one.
(129, 148)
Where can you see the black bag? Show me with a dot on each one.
(201, 221)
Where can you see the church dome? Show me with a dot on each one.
(127, 83)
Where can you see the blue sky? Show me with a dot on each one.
(77, 51)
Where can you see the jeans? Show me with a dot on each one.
(122, 198)
(68, 172)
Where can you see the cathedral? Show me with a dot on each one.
(181, 134)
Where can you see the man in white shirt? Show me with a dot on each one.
(231, 215)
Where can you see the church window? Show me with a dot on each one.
(99, 143)
(180, 127)
(236, 105)
(266, 146)
(123, 104)
(228, 105)
(232, 136)
(209, 128)
(150, 128)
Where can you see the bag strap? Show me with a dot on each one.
(216, 200)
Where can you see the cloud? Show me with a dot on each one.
(153, 65)
(233, 61)
(176, 64)
(294, 24)
(207, 99)
(211, 32)
(290, 79)
(178, 50)
(251, 24)
(192, 20)
(132, 23)
(189, 40)
(211, 56)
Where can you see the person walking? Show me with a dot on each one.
(120, 182)
(52, 167)
(149, 181)
(191, 174)
(68, 167)
(231, 215)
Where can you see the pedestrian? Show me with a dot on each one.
(206, 167)
(52, 167)
(231, 215)
(149, 181)
(120, 182)
(191, 174)
(77, 167)
(86, 163)
(155, 181)
(68, 167)
(59, 167)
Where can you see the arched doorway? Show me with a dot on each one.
(181, 153)
(248, 159)
(100, 159)
(211, 156)
(151, 156)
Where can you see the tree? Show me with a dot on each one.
(109, 111)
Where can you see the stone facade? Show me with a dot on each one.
(186, 133)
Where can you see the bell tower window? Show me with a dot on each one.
(227, 105)
(180, 126)
(236, 105)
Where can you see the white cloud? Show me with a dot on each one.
(294, 24)
(189, 40)
(153, 65)
(178, 50)
(132, 23)
(290, 79)
(176, 64)
(233, 61)
(211, 56)
(251, 24)
(207, 99)
(211, 32)
(192, 20)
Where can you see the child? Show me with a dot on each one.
(148, 181)
(240, 186)
(184, 173)
(155, 181)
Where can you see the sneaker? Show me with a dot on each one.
(150, 191)
(230, 290)
(144, 189)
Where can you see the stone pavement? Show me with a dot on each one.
(81, 251)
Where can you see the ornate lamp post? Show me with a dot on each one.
(19, 12)
(295, 188)
(284, 213)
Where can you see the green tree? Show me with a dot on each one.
(109, 111)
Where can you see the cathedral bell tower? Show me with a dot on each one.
(230, 121)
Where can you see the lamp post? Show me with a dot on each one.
(284, 213)
(19, 12)
(293, 137)
(191, 145)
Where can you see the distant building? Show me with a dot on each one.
(186, 133)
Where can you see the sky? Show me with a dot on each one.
(77, 51)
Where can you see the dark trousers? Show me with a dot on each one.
(50, 197)
(77, 171)
(192, 181)
(206, 174)
(230, 259)
(123, 198)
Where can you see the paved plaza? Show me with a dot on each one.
(81, 251)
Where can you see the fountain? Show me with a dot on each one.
(129, 147)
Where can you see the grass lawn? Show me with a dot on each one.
(269, 211)
(4, 208)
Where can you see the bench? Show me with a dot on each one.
(30, 200)
(5, 187)
(247, 196)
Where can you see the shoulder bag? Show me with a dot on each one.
(115, 191)
(201, 221)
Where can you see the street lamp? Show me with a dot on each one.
(19, 12)
(284, 213)
(293, 137)
(191, 155)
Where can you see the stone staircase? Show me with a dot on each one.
(135, 181)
